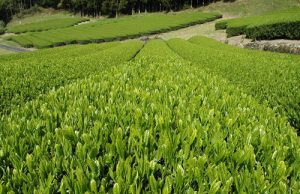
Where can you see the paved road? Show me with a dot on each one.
(14, 49)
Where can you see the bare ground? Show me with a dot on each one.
(86, 22)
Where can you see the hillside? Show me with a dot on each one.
(38, 15)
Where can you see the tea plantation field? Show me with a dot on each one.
(171, 116)
(270, 77)
(114, 29)
(273, 25)
(24, 77)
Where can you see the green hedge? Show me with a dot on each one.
(221, 25)
(236, 31)
(280, 24)
(289, 30)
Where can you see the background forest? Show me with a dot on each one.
(95, 8)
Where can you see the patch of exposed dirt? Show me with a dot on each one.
(7, 35)
(206, 29)
(86, 22)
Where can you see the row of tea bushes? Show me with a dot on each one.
(24, 79)
(269, 77)
(280, 24)
(158, 124)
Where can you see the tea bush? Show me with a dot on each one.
(157, 124)
(280, 24)
(269, 77)
(22, 80)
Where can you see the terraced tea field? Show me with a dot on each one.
(171, 116)
(114, 29)
(274, 25)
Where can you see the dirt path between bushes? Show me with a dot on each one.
(13, 49)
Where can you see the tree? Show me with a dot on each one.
(96, 7)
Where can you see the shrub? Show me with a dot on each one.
(289, 30)
(280, 24)
(221, 25)
(270, 77)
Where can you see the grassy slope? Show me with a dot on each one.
(250, 7)
(46, 25)
(42, 15)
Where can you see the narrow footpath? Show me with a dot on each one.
(12, 48)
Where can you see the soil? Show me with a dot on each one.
(86, 22)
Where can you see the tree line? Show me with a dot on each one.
(96, 8)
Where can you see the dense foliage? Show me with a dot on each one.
(280, 24)
(269, 77)
(114, 29)
(2, 27)
(98, 7)
(45, 25)
(23, 78)
(158, 124)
